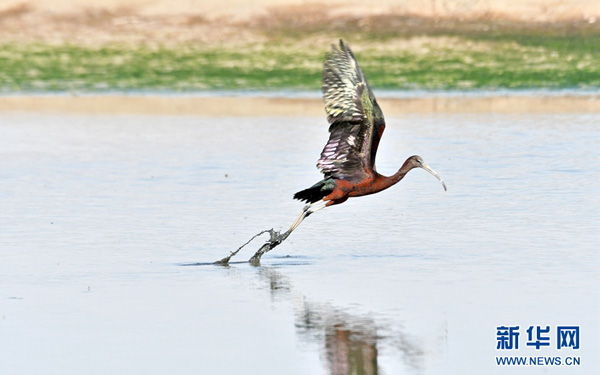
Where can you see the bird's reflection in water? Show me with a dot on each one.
(349, 352)
(351, 343)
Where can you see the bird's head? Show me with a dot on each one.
(416, 161)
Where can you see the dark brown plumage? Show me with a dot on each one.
(356, 126)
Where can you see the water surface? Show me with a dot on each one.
(98, 214)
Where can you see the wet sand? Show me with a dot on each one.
(277, 106)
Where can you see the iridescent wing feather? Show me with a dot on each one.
(355, 117)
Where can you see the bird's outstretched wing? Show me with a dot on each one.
(355, 117)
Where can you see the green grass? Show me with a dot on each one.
(504, 65)
(442, 59)
(40, 67)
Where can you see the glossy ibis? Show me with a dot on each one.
(356, 125)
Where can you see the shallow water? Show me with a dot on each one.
(99, 215)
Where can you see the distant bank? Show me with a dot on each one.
(104, 46)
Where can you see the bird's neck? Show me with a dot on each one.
(386, 181)
(396, 177)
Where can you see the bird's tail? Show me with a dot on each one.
(314, 193)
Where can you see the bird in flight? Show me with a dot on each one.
(356, 126)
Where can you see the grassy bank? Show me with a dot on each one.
(395, 54)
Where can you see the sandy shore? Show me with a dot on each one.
(266, 106)
(547, 10)
(240, 21)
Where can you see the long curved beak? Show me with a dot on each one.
(428, 169)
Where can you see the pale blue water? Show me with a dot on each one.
(98, 214)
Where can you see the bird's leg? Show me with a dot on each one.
(276, 237)
(306, 211)
(300, 217)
